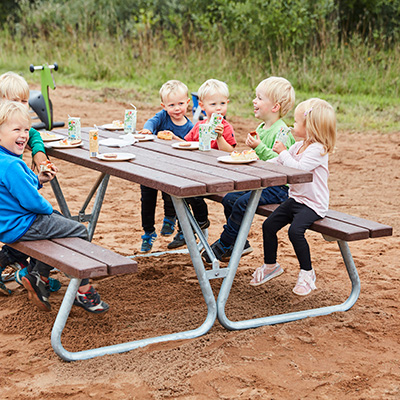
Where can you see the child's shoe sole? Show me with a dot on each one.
(33, 297)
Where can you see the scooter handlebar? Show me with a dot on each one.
(33, 68)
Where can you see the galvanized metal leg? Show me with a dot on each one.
(59, 324)
(276, 319)
(100, 186)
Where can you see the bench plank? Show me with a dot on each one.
(116, 263)
(66, 260)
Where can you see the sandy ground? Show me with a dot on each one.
(351, 355)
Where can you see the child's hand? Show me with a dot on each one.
(278, 147)
(253, 140)
(47, 171)
(219, 130)
(176, 137)
(145, 132)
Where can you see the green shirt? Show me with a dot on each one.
(35, 142)
(264, 149)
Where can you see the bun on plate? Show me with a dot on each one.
(68, 142)
(110, 155)
(165, 135)
(244, 155)
(118, 124)
(185, 144)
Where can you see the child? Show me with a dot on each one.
(15, 88)
(174, 101)
(274, 99)
(315, 124)
(26, 215)
(213, 98)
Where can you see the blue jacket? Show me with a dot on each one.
(163, 122)
(20, 201)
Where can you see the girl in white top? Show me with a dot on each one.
(315, 125)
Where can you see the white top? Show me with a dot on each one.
(313, 194)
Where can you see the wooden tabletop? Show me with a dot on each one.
(181, 173)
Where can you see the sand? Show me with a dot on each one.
(351, 355)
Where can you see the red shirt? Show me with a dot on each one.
(229, 134)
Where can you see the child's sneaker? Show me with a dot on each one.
(3, 288)
(91, 301)
(220, 251)
(54, 284)
(178, 241)
(147, 241)
(305, 283)
(264, 274)
(168, 227)
(38, 290)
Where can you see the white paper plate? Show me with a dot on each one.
(120, 157)
(50, 137)
(61, 145)
(230, 160)
(111, 127)
(111, 142)
(193, 146)
(143, 138)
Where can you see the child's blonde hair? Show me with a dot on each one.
(320, 122)
(173, 86)
(13, 87)
(278, 90)
(211, 87)
(10, 108)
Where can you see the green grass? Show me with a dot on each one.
(361, 83)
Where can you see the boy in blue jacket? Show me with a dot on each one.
(27, 215)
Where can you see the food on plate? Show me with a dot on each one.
(47, 166)
(68, 142)
(110, 155)
(165, 135)
(139, 136)
(244, 155)
(47, 135)
(118, 124)
(185, 144)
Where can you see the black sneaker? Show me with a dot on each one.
(3, 288)
(91, 301)
(38, 290)
(204, 225)
(223, 253)
(178, 241)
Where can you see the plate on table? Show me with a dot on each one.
(186, 145)
(116, 156)
(50, 137)
(65, 144)
(230, 160)
(143, 138)
(112, 127)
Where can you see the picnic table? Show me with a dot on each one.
(182, 174)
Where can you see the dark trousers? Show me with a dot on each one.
(235, 205)
(149, 202)
(301, 217)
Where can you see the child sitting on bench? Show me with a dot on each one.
(26, 215)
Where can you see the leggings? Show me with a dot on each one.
(301, 217)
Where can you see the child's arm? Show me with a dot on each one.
(153, 125)
(222, 143)
(35, 142)
(226, 137)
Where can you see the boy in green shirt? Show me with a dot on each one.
(274, 99)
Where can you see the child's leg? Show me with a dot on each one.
(270, 195)
(169, 209)
(148, 202)
(8, 256)
(200, 210)
(228, 202)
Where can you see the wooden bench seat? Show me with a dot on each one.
(77, 257)
(337, 225)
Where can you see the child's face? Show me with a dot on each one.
(176, 105)
(216, 103)
(14, 134)
(299, 130)
(264, 108)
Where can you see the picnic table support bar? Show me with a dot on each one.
(294, 316)
(73, 286)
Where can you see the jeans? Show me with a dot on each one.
(235, 205)
(149, 202)
(301, 217)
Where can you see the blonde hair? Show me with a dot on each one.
(10, 108)
(173, 86)
(13, 87)
(278, 90)
(320, 122)
(211, 87)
